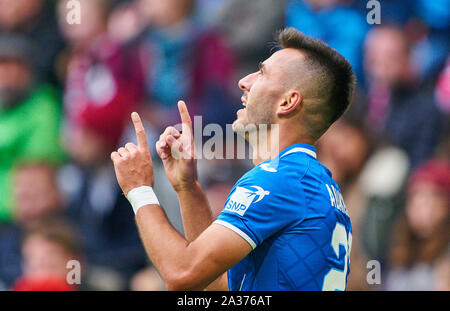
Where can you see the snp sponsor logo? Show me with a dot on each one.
(242, 197)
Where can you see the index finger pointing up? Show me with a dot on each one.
(184, 113)
(140, 131)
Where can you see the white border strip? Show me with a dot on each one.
(237, 230)
(300, 149)
(242, 282)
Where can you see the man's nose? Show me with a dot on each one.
(246, 83)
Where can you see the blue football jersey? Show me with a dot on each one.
(291, 212)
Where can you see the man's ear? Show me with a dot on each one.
(291, 103)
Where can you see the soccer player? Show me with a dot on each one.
(284, 225)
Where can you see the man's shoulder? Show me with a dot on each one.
(285, 166)
(277, 174)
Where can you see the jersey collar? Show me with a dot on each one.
(305, 148)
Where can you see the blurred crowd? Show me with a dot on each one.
(67, 91)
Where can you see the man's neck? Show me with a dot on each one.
(277, 141)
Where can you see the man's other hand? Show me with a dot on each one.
(133, 164)
(177, 153)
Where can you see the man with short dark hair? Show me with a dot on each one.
(284, 225)
(400, 104)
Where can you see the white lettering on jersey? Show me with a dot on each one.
(336, 199)
(242, 198)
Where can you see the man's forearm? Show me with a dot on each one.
(197, 216)
(163, 244)
(169, 252)
(195, 211)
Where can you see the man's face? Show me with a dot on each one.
(15, 79)
(86, 146)
(386, 56)
(44, 258)
(14, 13)
(35, 193)
(426, 209)
(264, 90)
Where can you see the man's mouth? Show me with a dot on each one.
(241, 112)
(244, 101)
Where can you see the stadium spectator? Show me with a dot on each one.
(35, 20)
(399, 108)
(46, 250)
(425, 23)
(37, 198)
(36, 192)
(29, 116)
(334, 22)
(422, 234)
(344, 149)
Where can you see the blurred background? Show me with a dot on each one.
(66, 93)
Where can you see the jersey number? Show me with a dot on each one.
(336, 279)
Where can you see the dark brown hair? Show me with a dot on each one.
(59, 231)
(407, 248)
(334, 72)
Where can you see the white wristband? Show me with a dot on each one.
(142, 196)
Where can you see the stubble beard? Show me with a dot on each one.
(252, 120)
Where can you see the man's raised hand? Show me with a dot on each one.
(133, 164)
(177, 153)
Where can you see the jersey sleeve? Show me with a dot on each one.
(262, 204)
